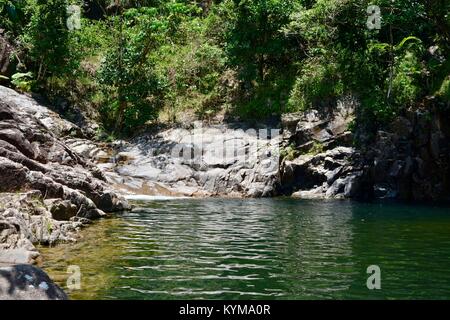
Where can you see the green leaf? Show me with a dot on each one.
(20, 76)
(410, 38)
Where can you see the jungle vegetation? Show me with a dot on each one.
(141, 61)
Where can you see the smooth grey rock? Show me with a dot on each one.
(14, 175)
(18, 256)
(202, 161)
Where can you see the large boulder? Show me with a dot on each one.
(34, 155)
(330, 174)
(26, 282)
(14, 175)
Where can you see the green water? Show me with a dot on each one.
(260, 249)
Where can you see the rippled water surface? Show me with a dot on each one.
(260, 249)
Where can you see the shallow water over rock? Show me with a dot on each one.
(260, 249)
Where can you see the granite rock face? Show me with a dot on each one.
(329, 174)
(324, 166)
(328, 126)
(407, 159)
(201, 161)
(331, 157)
(46, 188)
(410, 159)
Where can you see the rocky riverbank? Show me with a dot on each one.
(221, 160)
(55, 180)
(320, 153)
(407, 159)
(48, 191)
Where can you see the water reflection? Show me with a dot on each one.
(271, 249)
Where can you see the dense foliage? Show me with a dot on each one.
(136, 60)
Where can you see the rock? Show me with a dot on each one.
(45, 184)
(396, 169)
(384, 192)
(18, 256)
(353, 185)
(435, 145)
(26, 282)
(14, 175)
(34, 154)
(35, 116)
(61, 210)
(320, 176)
(333, 175)
(407, 159)
(36, 163)
(380, 169)
(321, 125)
(24, 220)
(315, 193)
(337, 189)
(402, 127)
(88, 149)
(327, 174)
(410, 159)
(203, 161)
(16, 138)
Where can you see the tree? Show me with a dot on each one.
(47, 37)
(255, 43)
(126, 73)
(13, 17)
